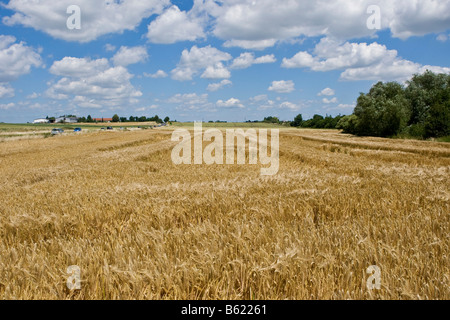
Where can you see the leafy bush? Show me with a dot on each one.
(348, 124)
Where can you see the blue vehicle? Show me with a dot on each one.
(77, 130)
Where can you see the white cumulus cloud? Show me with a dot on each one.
(442, 37)
(217, 86)
(326, 92)
(157, 75)
(127, 56)
(290, 106)
(247, 59)
(76, 67)
(328, 101)
(244, 23)
(196, 60)
(97, 17)
(92, 83)
(175, 25)
(231, 103)
(282, 86)
(360, 61)
(7, 106)
(6, 91)
(16, 59)
(217, 71)
(109, 47)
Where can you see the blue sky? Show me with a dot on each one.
(211, 60)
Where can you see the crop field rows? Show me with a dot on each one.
(140, 227)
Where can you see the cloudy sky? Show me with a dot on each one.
(231, 60)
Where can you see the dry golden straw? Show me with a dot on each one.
(140, 227)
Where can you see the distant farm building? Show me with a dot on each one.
(102, 119)
(66, 120)
(37, 121)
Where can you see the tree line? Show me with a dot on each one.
(317, 121)
(116, 118)
(419, 109)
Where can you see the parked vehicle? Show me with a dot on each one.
(77, 130)
(110, 128)
(57, 131)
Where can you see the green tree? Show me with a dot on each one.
(422, 109)
(424, 91)
(317, 122)
(298, 121)
(329, 122)
(157, 119)
(348, 124)
(271, 120)
(383, 112)
(166, 119)
(89, 119)
(116, 118)
(437, 123)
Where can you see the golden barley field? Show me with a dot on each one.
(140, 227)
